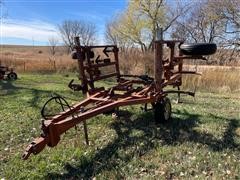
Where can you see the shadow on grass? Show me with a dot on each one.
(128, 145)
(182, 130)
(8, 88)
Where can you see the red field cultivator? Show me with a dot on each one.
(129, 89)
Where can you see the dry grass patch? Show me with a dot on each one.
(215, 79)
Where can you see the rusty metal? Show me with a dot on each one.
(100, 100)
(7, 73)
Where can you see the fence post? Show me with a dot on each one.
(54, 65)
(24, 66)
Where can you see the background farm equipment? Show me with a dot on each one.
(129, 89)
(8, 73)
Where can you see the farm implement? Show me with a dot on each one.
(7, 72)
(129, 89)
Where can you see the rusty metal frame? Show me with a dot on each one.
(99, 100)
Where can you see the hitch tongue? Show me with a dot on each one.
(35, 147)
(28, 151)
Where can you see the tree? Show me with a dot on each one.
(110, 35)
(113, 37)
(130, 29)
(159, 14)
(212, 21)
(230, 11)
(72, 28)
(201, 24)
(53, 41)
(209, 21)
(139, 22)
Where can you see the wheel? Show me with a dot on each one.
(162, 111)
(198, 48)
(12, 76)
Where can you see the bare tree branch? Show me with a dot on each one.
(53, 41)
(70, 29)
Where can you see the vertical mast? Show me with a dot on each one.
(158, 59)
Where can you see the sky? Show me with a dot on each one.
(33, 22)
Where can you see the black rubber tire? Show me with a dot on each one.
(162, 111)
(12, 76)
(198, 49)
(76, 55)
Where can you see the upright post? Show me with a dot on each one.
(85, 132)
(82, 76)
(24, 66)
(158, 59)
(116, 62)
(179, 82)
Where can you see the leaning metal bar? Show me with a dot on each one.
(181, 92)
(82, 76)
(188, 72)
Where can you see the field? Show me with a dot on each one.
(39, 59)
(201, 141)
(35, 59)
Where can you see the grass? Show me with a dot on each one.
(202, 141)
(215, 79)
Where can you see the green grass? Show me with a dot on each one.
(202, 141)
